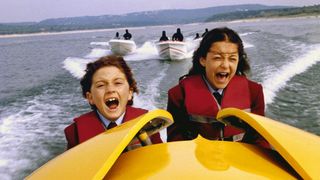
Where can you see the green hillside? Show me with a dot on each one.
(269, 13)
(162, 17)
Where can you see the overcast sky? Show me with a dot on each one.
(37, 10)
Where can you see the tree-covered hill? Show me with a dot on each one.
(161, 17)
(267, 13)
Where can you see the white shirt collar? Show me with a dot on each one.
(106, 121)
(211, 89)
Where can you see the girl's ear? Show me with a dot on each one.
(203, 61)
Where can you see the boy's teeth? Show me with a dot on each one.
(111, 99)
(112, 103)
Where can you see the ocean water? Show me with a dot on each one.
(40, 92)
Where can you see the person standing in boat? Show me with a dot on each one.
(127, 35)
(216, 80)
(197, 36)
(108, 85)
(205, 32)
(177, 36)
(117, 36)
(164, 36)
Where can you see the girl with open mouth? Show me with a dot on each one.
(216, 80)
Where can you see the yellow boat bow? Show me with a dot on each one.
(295, 155)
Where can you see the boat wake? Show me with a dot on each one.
(24, 127)
(148, 51)
(278, 79)
(100, 44)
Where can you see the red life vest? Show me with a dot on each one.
(89, 125)
(199, 100)
(202, 107)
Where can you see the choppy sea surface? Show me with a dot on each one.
(40, 92)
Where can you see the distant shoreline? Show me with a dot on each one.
(274, 18)
(62, 32)
(115, 29)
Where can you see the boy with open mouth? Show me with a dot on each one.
(108, 85)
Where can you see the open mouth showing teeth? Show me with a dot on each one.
(222, 75)
(112, 103)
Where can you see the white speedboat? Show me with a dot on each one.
(122, 47)
(193, 44)
(197, 41)
(174, 50)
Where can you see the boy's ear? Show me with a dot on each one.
(130, 97)
(89, 98)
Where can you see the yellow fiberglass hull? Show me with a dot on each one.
(295, 155)
(198, 159)
(299, 148)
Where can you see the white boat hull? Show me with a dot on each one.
(174, 50)
(122, 47)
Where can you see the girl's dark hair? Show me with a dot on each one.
(217, 35)
(111, 60)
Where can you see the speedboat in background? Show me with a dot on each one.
(122, 47)
(174, 50)
(197, 41)
(294, 154)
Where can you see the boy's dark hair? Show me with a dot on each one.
(111, 60)
(218, 35)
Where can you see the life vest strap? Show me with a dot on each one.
(203, 119)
